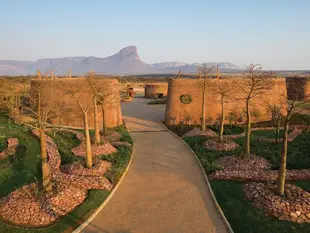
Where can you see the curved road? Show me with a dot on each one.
(164, 189)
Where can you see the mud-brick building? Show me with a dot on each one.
(184, 100)
(56, 94)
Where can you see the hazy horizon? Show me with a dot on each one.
(273, 34)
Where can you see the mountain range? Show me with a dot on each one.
(125, 62)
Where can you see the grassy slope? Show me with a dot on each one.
(243, 217)
(66, 141)
(27, 168)
(298, 151)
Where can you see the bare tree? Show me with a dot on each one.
(276, 111)
(104, 95)
(179, 74)
(223, 89)
(252, 86)
(41, 110)
(10, 96)
(75, 89)
(203, 73)
(293, 110)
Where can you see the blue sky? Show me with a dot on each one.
(274, 33)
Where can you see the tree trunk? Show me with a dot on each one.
(88, 152)
(104, 127)
(46, 176)
(247, 145)
(222, 121)
(96, 126)
(282, 170)
(203, 108)
(278, 131)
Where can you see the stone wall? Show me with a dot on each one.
(177, 111)
(295, 84)
(152, 89)
(54, 93)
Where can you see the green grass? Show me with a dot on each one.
(3, 143)
(271, 134)
(228, 129)
(207, 157)
(180, 130)
(159, 101)
(298, 151)
(11, 159)
(65, 141)
(241, 214)
(27, 170)
(300, 119)
(245, 218)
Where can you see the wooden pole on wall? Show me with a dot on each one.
(70, 73)
(179, 74)
(39, 74)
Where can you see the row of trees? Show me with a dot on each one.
(253, 86)
(40, 110)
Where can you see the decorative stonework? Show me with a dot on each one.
(99, 168)
(259, 175)
(215, 144)
(11, 149)
(186, 99)
(294, 207)
(24, 206)
(197, 132)
(103, 149)
(238, 163)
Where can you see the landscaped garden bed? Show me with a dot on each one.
(77, 193)
(245, 188)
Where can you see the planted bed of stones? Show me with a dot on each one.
(29, 206)
(260, 180)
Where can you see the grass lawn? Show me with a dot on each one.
(180, 130)
(65, 141)
(267, 133)
(244, 218)
(27, 170)
(3, 143)
(298, 151)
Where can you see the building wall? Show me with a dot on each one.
(151, 90)
(55, 93)
(177, 111)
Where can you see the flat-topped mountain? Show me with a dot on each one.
(125, 62)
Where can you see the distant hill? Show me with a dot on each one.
(125, 62)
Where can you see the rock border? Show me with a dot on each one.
(294, 207)
(198, 132)
(237, 163)
(64, 184)
(215, 144)
(11, 148)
